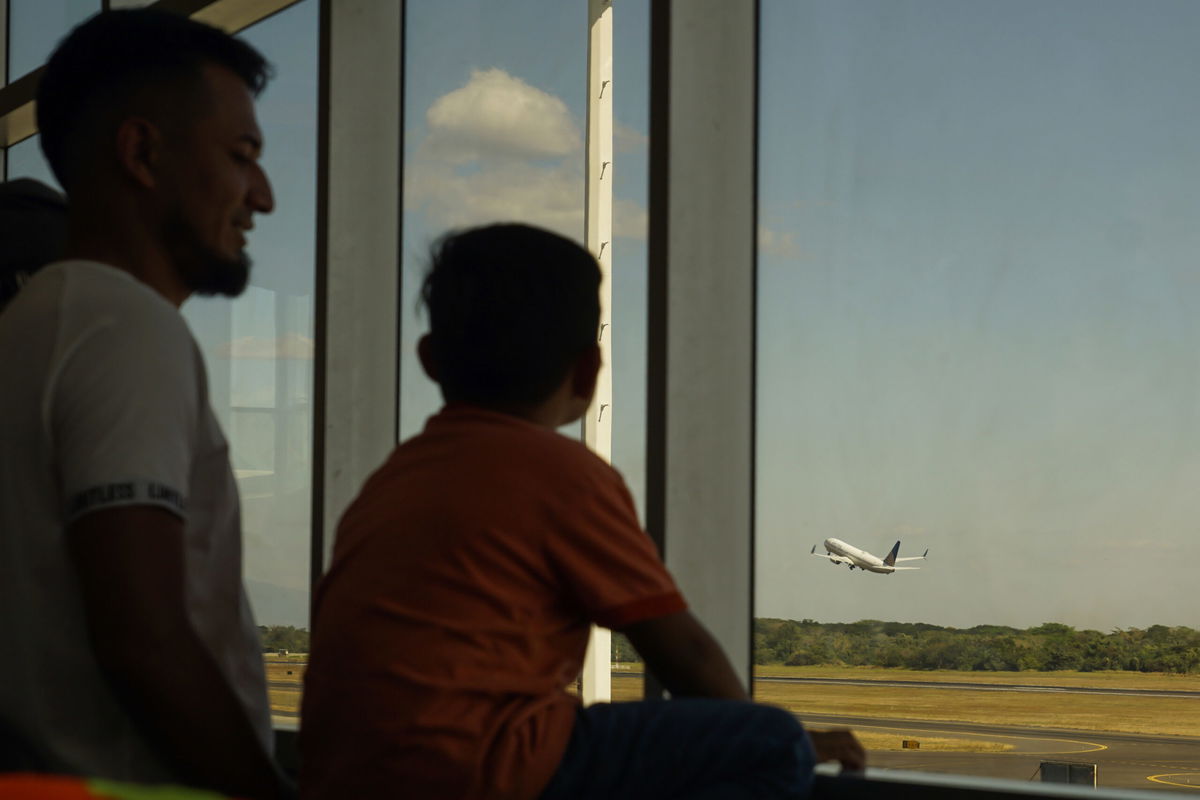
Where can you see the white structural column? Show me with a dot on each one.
(358, 252)
(597, 422)
(700, 408)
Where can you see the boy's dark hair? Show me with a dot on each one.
(510, 308)
(33, 228)
(110, 61)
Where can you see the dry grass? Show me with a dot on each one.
(281, 671)
(284, 701)
(1153, 715)
(1106, 680)
(877, 742)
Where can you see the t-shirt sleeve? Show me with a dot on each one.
(608, 563)
(123, 413)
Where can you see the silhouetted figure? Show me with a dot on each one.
(33, 232)
(131, 652)
(466, 574)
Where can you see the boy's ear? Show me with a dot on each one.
(425, 354)
(587, 369)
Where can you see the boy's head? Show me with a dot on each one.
(512, 309)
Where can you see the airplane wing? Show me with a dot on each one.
(915, 558)
(905, 567)
(838, 559)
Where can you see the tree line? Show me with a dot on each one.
(918, 645)
(283, 637)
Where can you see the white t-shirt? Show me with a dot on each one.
(104, 402)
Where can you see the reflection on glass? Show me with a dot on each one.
(25, 161)
(259, 348)
(979, 309)
(35, 28)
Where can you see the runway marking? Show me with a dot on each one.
(1159, 779)
(1092, 747)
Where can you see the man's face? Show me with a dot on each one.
(217, 185)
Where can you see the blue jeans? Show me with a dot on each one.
(690, 749)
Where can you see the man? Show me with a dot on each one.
(131, 650)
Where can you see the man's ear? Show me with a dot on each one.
(585, 372)
(139, 148)
(425, 354)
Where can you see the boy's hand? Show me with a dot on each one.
(840, 746)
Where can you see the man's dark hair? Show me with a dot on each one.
(510, 308)
(107, 63)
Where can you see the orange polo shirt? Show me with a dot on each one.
(456, 612)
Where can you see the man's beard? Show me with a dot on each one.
(203, 269)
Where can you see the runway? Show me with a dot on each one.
(1124, 761)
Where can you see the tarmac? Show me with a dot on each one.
(1123, 760)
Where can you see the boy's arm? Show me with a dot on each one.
(685, 657)
(689, 662)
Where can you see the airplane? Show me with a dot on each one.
(839, 552)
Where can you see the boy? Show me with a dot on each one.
(467, 571)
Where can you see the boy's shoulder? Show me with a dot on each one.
(501, 450)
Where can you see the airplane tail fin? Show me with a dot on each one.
(891, 557)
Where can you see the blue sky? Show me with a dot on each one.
(980, 336)
(35, 26)
(978, 285)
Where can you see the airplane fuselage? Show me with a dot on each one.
(860, 558)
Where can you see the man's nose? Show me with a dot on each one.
(261, 199)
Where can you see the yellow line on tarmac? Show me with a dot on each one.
(1159, 779)
(1092, 746)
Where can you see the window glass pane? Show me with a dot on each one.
(35, 28)
(25, 161)
(978, 310)
(259, 348)
(631, 143)
(631, 128)
(467, 160)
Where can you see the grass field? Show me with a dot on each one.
(877, 742)
(1152, 715)
(1107, 680)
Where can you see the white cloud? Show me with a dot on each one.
(498, 149)
(775, 243)
(498, 115)
(551, 197)
(630, 219)
(290, 345)
(628, 140)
